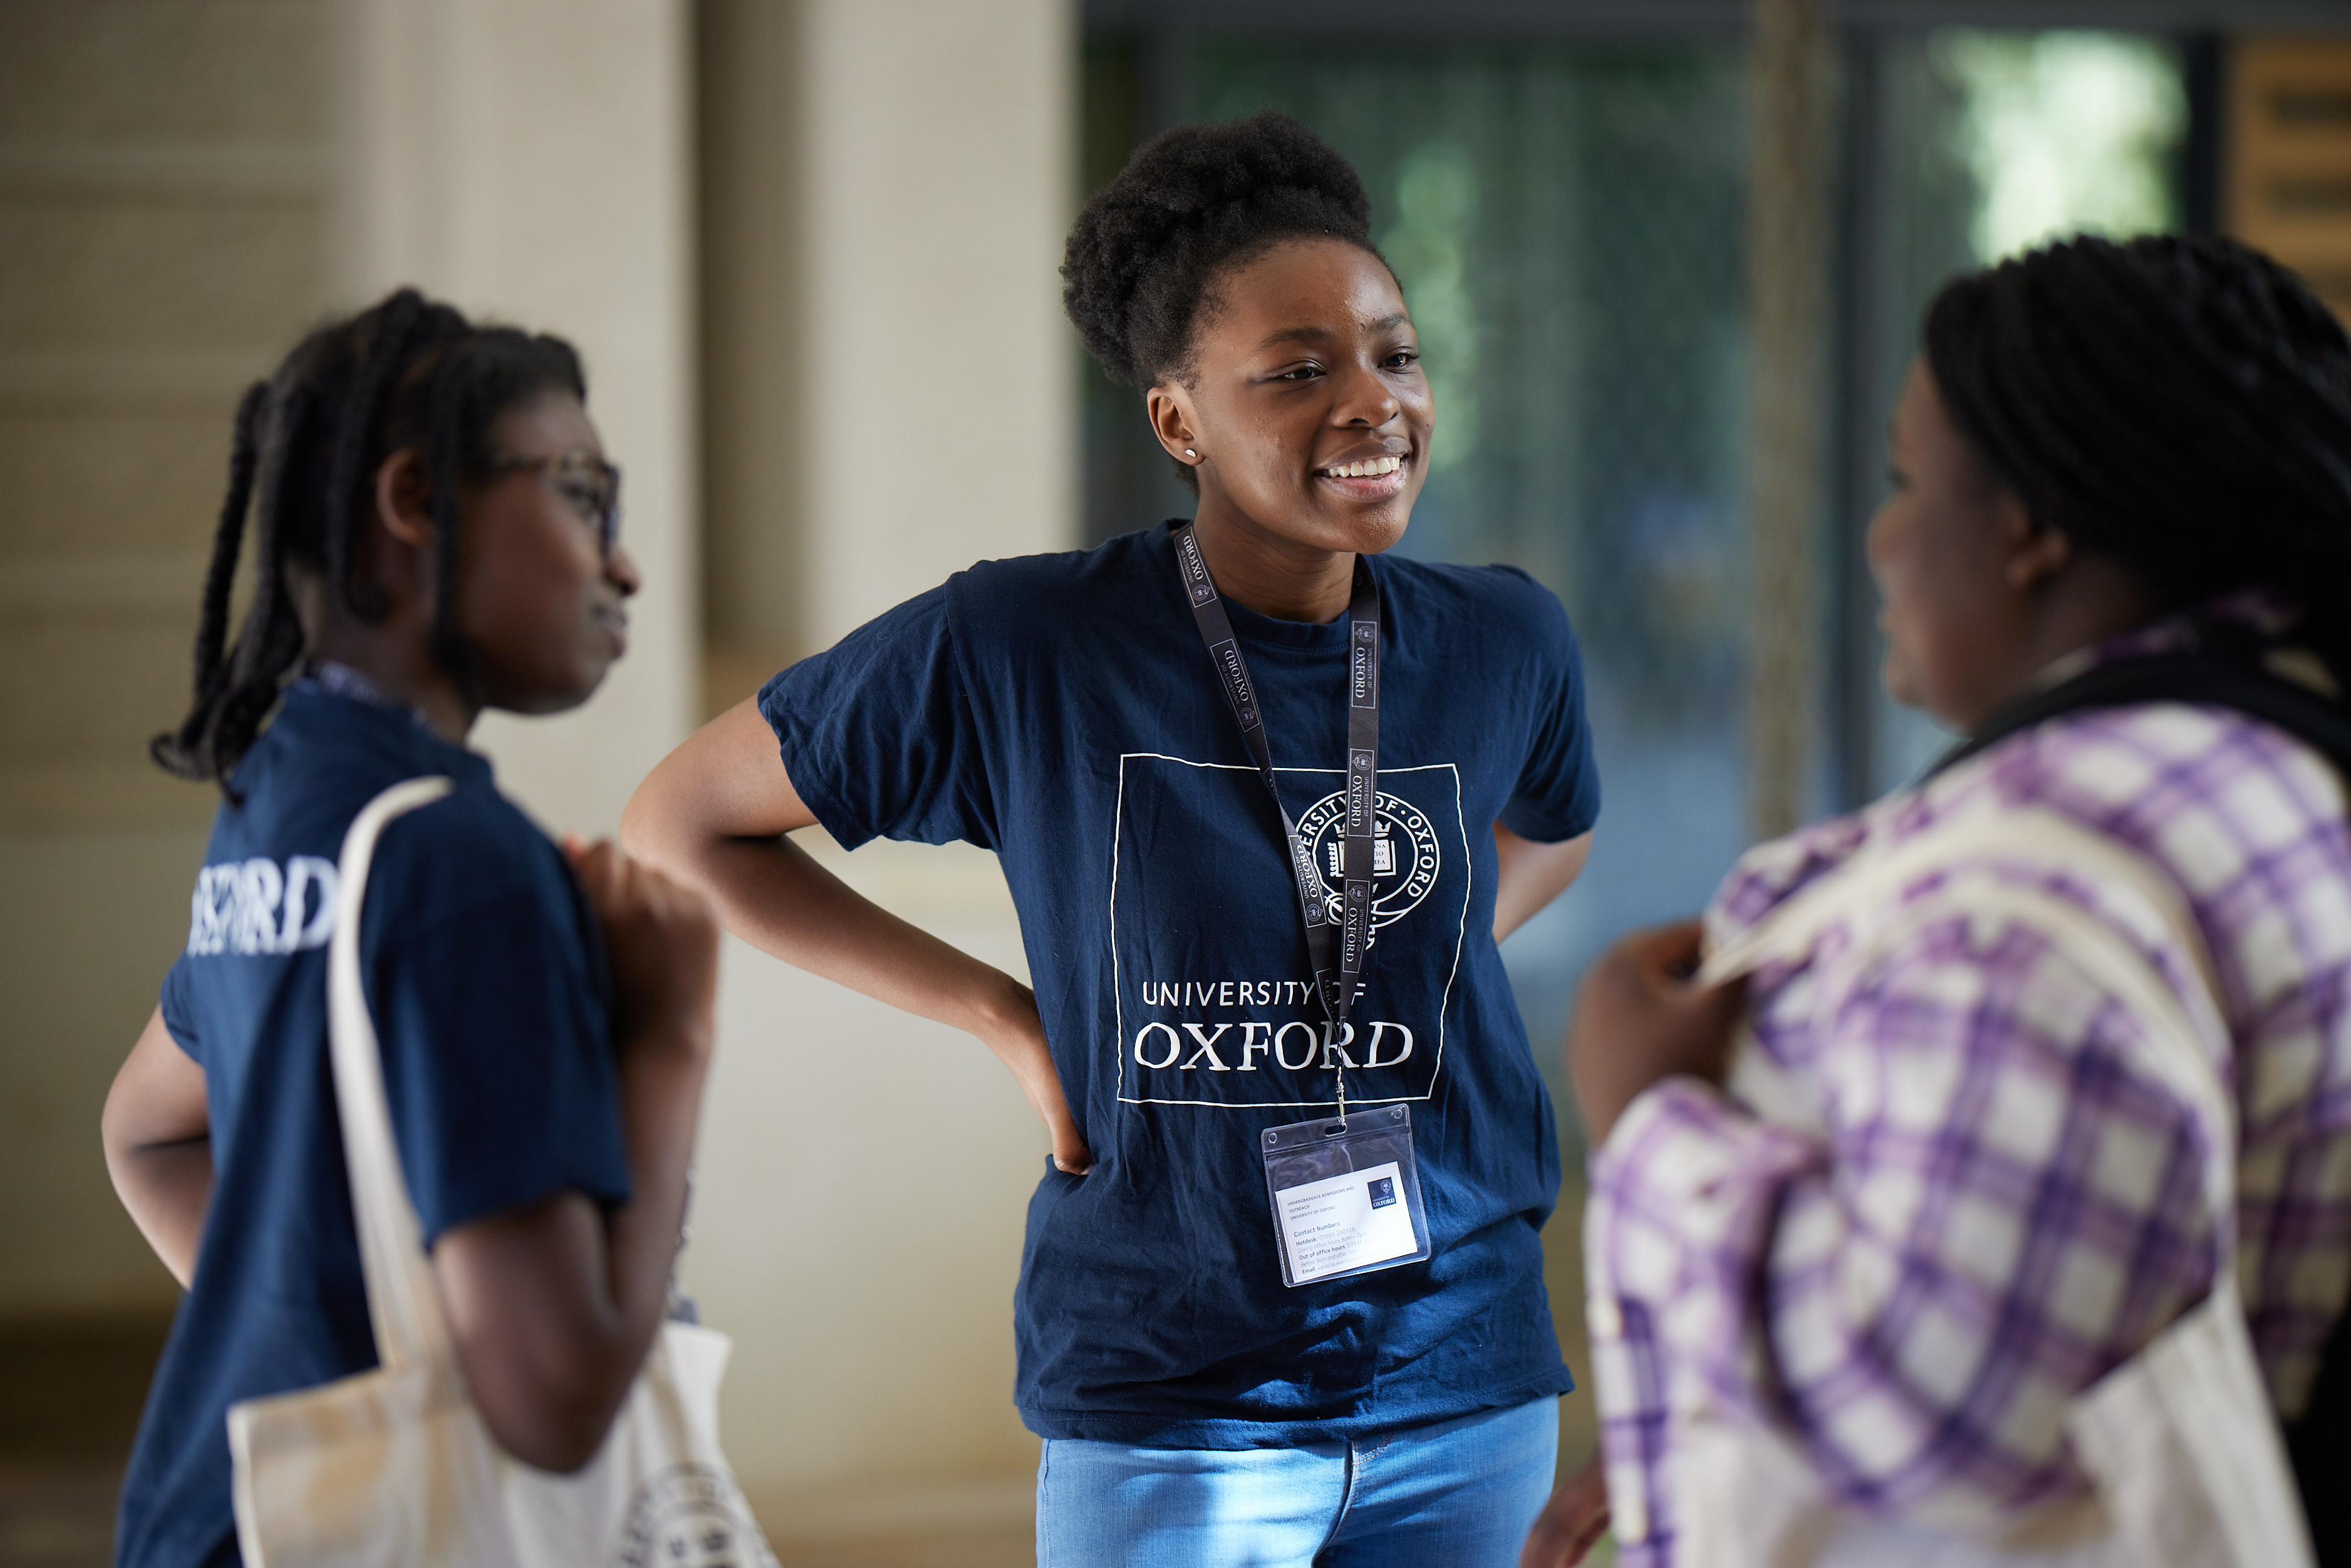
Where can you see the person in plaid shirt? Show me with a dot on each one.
(2105, 452)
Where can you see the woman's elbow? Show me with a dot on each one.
(648, 824)
(113, 1131)
(548, 1358)
(559, 1449)
(554, 1424)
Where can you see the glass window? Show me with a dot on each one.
(1993, 142)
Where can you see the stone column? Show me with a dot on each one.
(1788, 260)
(940, 185)
(530, 160)
(889, 389)
(890, 381)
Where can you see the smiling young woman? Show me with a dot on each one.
(1261, 884)
(1307, 370)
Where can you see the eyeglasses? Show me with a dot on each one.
(592, 485)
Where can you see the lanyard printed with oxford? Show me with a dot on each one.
(1335, 1214)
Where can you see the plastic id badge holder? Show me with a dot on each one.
(1346, 1195)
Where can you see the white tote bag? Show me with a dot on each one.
(393, 1468)
(2187, 1464)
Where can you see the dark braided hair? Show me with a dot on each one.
(1192, 203)
(407, 374)
(2180, 406)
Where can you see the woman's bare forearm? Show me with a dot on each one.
(661, 1101)
(166, 1189)
(1533, 875)
(554, 1304)
(774, 895)
(157, 1133)
(717, 815)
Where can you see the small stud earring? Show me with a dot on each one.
(1189, 453)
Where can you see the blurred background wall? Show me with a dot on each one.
(163, 172)
(807, 248)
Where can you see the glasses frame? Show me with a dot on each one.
(606, 477)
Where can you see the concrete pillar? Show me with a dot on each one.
(888, 183)
(939, 190)
(887, 389)
(885, 188)
(1788, 260)
(530, 160)
(162, 171)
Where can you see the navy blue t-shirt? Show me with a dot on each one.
(484, 973)
(1060, 711)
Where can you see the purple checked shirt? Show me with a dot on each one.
(2002, 1206)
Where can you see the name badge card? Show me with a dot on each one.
(1346, 1195)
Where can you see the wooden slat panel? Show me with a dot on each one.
(164, 172)
(106, 274)
(158, 73)
(87, 479)
(86, 684)
(2289, 156)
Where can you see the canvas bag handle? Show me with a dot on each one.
(2040, 841)
(403, 1303)
(2036, 837)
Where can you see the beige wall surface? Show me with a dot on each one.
(163, 168)
(753, 152)
(2289, 156)
(98, 917)
(858, 1202)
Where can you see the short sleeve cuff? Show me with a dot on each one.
(812, 780)
(174, 1004)
(1536, 825)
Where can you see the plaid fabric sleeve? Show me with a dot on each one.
(1679, 1224)
(2002, 1207)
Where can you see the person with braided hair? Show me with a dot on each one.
(434, 532)
(2046, 1068)
(1229, 1365)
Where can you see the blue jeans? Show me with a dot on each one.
(1458, 1494)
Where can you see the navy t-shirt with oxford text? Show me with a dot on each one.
(1061, 711)
(484, 973)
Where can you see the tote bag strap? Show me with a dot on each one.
(2032, 837)
(2178, 1023)
(401, 1301)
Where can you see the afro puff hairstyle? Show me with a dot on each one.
(1192, 203)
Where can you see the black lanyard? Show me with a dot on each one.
(1336, 948)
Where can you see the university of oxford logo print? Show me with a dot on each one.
(690, 1516)
(1405, 858)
